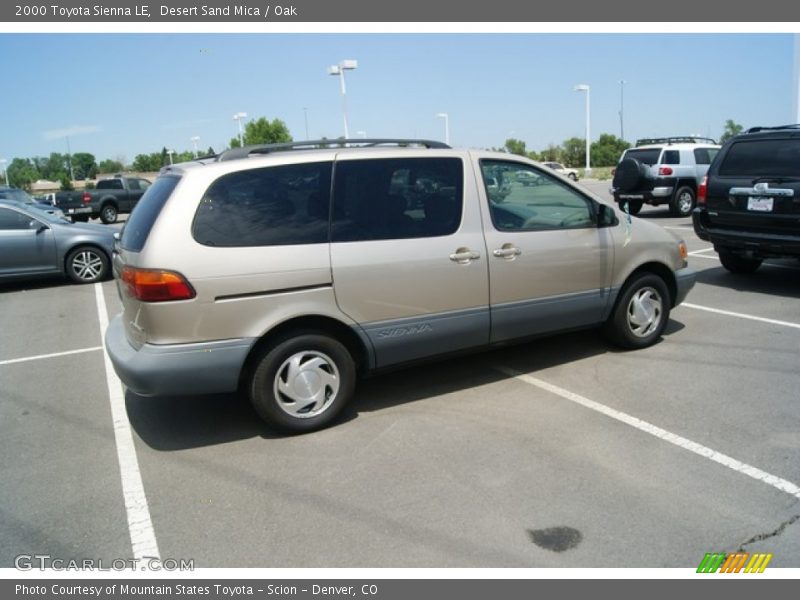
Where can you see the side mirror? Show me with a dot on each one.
(38, 226)
(606, 217)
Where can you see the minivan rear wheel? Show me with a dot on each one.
(301, 383)
(738, 264)
(641, 312)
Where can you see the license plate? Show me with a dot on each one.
(70, 211)
(759, 204)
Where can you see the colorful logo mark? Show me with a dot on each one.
(734, 563)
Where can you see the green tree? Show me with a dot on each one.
(22, 172)
(110, 166)
(514, 146)
(66, 183)
(607, 150)
(263, 131)
(552, 153)
(148, 162)
(731, 129)
(84, 165)
(52, 168)
(574, 152)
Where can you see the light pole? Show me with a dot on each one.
(585, 88)
(195, 139)
(305, 117)
(238, 118)
(3, 162)
(446, 126)
(69, 161)
(621, 105)
(338, 70)
(170, 152)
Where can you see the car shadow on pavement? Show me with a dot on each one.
(183, 422)
(774, 278)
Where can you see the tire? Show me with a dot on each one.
(301, 383)
(573, 176)
(87, 264)
(739, 264)
(108, 214)
(640, 314)
(628, 175)
(682, 202)
(634, 206)
(80, 219)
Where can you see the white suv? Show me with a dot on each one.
(663, 171)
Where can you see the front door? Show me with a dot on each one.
(27, 244)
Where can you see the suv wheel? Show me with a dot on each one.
(738, 264)
(108, 214)
(682, 202)
(87, 264)
(641, 312)
(634, 206)
(301, 383)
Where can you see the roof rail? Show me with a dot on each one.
(686, 139)
(244, 152)
(757, 129)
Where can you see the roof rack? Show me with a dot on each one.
(757, 129)
(686, 139)
(244, 152)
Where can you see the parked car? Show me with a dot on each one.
(565, 171)
(18, 195)
(749, 203)
(111, 197)
(34, 243)
(232, 278)
(663, 171)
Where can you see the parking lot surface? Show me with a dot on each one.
(562, 452)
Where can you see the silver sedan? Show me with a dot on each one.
(34, 243)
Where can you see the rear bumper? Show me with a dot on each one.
(658, 195)
(684, 281)
(176, 369)
(750, 244)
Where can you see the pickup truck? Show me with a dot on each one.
(110, 198)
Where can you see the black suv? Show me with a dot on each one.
(749, 204)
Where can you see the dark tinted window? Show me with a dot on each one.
(133, 185)
(273, 206)
(13, 220)
(704, 156)
(671, 157)
(109, 184)
(381, 199)
(141, 220)
(648, 156)
(15, 194)
(762, 157)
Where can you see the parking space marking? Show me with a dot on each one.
(53, 355)
(772, 480)
(140, 526)
(678, 227)
(729, 313)
(700, 252)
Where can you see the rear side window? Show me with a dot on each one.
(647, 156)
(141, 220)
(109, 184)
(671, 157)
(758, 158)
(11, 220)
(284, 205)
(383, 199)
(704, 156)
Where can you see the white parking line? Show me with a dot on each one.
(678, 227)
(140, 527)
(53, 355)
(700, 252)
(741, 315)
(778, 483)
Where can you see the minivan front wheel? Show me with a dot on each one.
(301, 383)
(641, 312)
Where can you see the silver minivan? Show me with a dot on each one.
(287, 271)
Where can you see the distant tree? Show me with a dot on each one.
(52, 168)
(731, 129)
(574, 152)
(263, 131)
(210, 151)
(514, 146)
(66, 183)
(148, 162)
(552, 153)
(84, 165)
(22, 172)
(607, 150)
(110, 166)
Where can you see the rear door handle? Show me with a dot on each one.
(507, 251)
(464, 255)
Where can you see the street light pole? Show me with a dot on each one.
(621, 106)
(338, 70)
(585, 88)
(195, 139)
(446, 118)
(238, 118)
(170, 152)
(305, 116)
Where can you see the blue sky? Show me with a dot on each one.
(118, 95)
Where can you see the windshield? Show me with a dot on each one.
(16, 194)
(760, 158)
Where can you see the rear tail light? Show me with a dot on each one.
(665, 170)
(702, 191)
(155, 285)
(86, 198)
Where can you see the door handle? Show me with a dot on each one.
(464, 255)
(507, 251)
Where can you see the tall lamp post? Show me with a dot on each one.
(3, 162)
(195, 139)
(238, 118)
(338, 70)
(621, 106)
(446, 118)
(170, 152)
(585, 88)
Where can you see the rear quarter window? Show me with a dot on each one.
(647, 156)
(144, 215)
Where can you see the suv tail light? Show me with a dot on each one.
(665, 170)
(86, 198)
(702, 191)
(154, 285)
